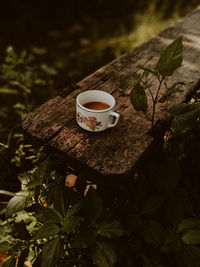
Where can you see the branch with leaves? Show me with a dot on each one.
(169, 61)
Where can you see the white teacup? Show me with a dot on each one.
(94, 110)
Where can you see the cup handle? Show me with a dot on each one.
(116, 115)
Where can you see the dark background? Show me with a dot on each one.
(68, 34)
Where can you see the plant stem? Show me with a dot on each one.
(151, 93)
(147, 116)
(155, 102)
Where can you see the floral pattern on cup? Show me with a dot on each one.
(90, 121)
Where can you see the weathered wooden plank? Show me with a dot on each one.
(116, 150)
(112, 151)
(49, 118)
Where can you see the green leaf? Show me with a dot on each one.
(186, 120)
(71, 223)
(191, 237)
(17, 203)
(52, 252)
(170, 91)
(84, 239)
(171, 58)
(48, 215)
(8, 91)
(47, 231)
(138, 98)
(43, 171)
(10, 262)
(145, 75)
(4, 247)
(186, 115)
(189, 223)
(150, 70)
(73, 210)
(110, 229)
(58, 198)
(152, 205)
(104, 255)
(153, 233)
(92, 207)
(182, 108)
(4, 192)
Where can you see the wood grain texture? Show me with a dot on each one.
(115, 151)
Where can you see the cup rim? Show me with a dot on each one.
(94, 110)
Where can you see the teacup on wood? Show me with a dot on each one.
(94, 110)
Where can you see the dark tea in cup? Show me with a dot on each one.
(94, 110)
(96, 105)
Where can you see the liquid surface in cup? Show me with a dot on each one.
(96, 105)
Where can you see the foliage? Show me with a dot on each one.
(150, 219)
(20, 83)
(45, 229)
(169, 61)
(154, 220)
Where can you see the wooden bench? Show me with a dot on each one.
(116, 151)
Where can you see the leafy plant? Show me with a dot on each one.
(153, 220)
(21, 82)
(186, 116)
(169, 61)
(42, 228)
(150, 219)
